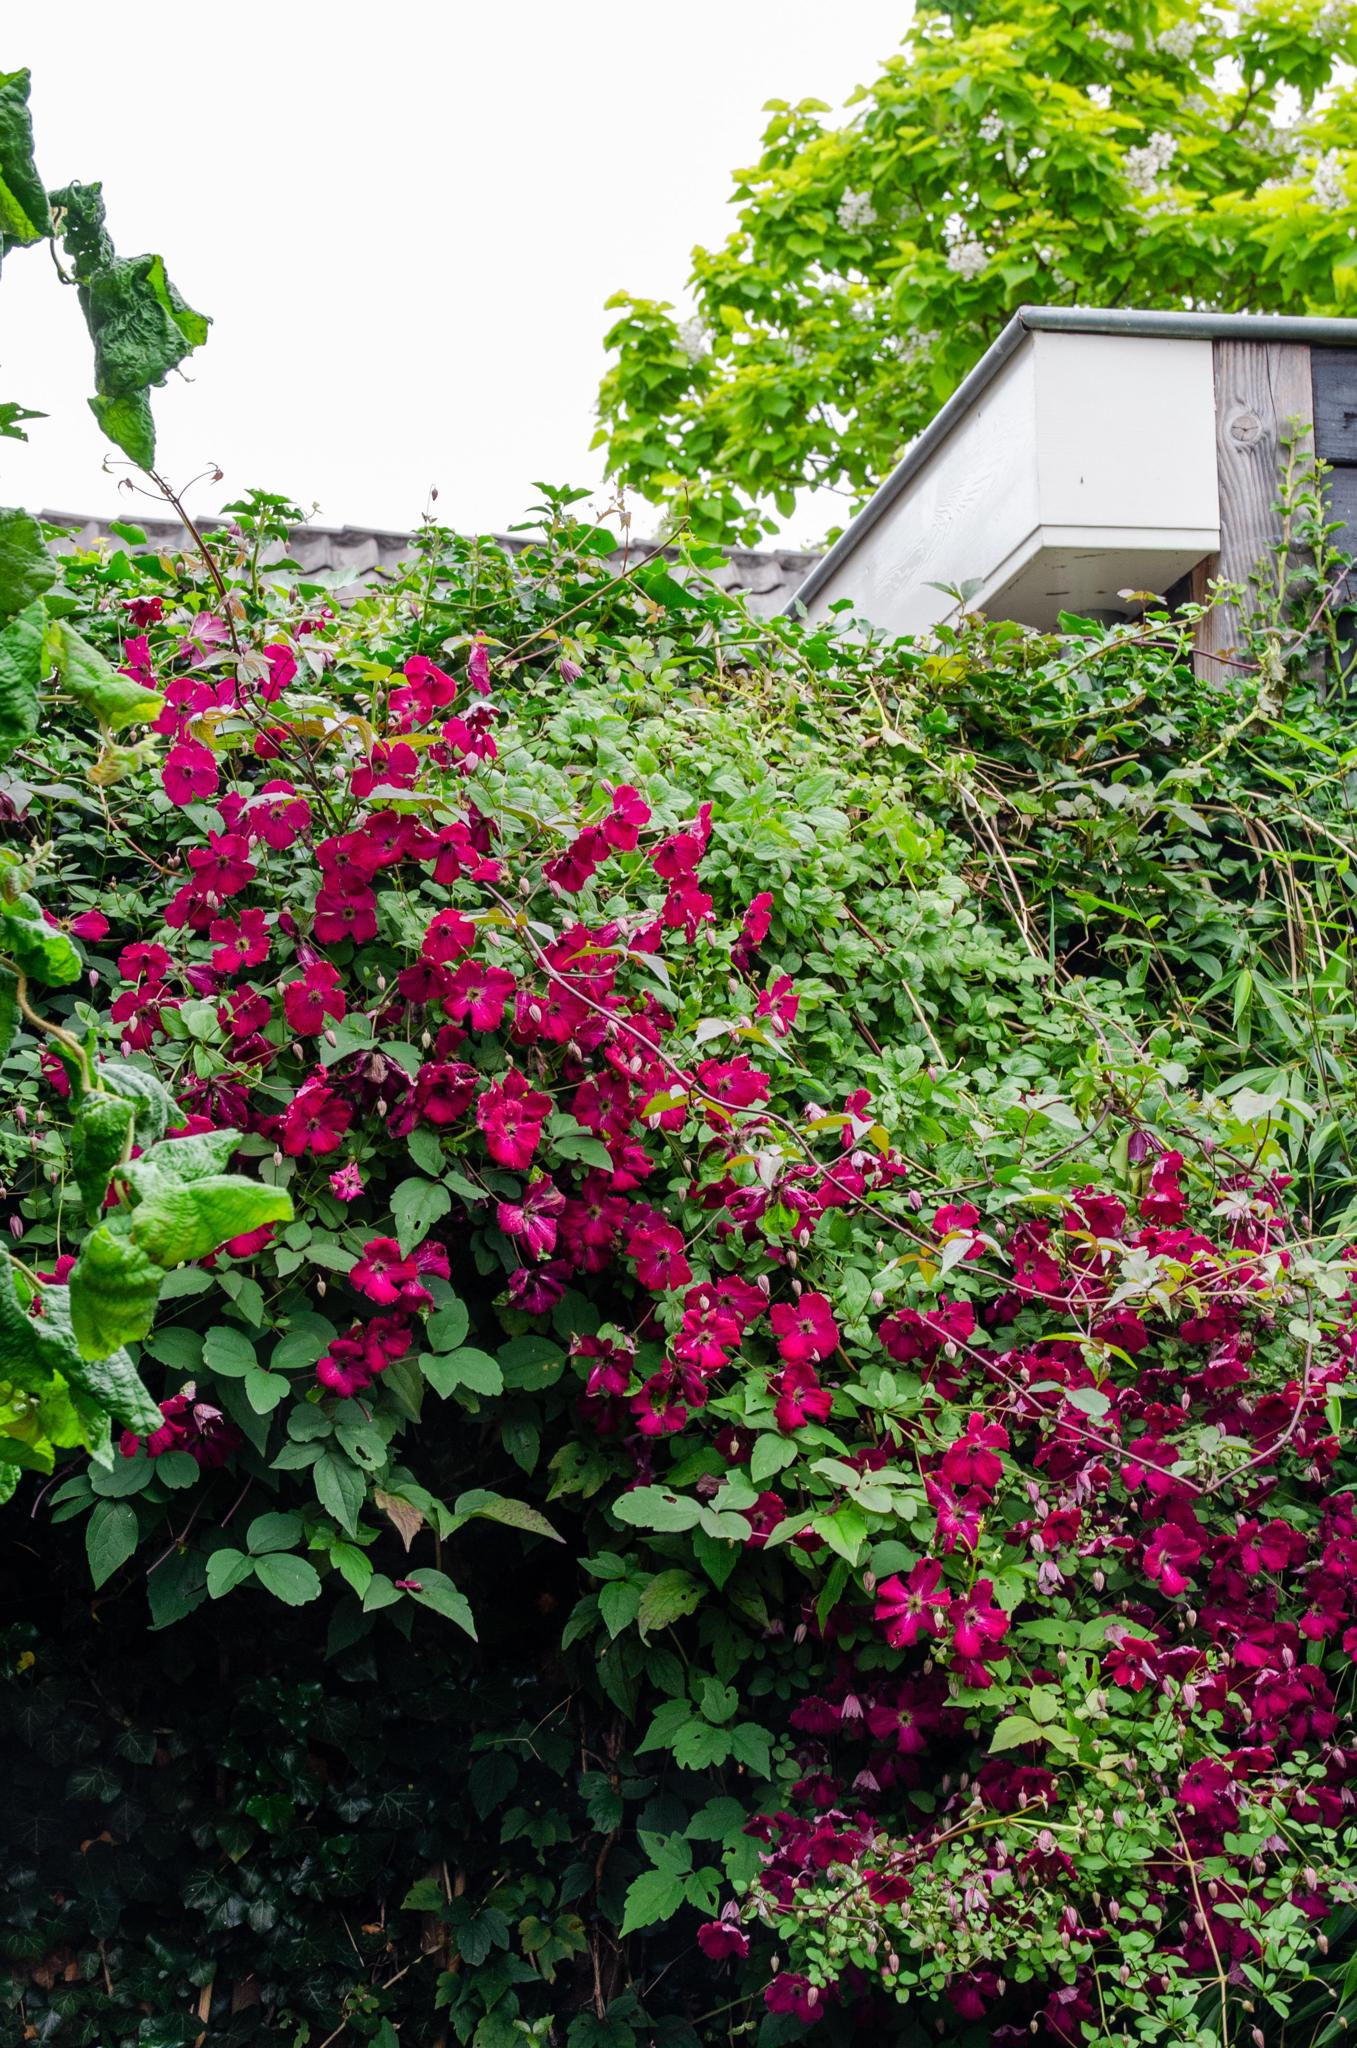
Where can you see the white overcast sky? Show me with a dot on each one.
(404, 219)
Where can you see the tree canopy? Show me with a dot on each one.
(1133, 154)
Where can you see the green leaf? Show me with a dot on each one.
(436, 1590)
(100, 1134)
(1014, 1732)
(110, 1538)
(38, 948)
(655, 1507)
(418, 1204)
(129, 424)
(273, 1531)
(341, 1488)
(31, 1351)
(226, 1569)
(114, 1288)
(229, 1353)
(140, 326)
(177, 1224)
(27, 569)
(264, 1390)
(152, 1102)
(446, 1329)
(531, 1363)
(291, 1579)
(25, 215)
(668, 1597)
(515, 1514)
(10, 416)
(653, 1896)
(465, 1368)
(115, 700)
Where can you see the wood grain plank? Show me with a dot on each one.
(1263, 395)
(1333, 372)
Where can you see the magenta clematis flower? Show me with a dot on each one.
(915, 1607)
(190, 772)
(511, 1113)
(804, 1330)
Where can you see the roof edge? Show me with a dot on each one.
(1166, 324)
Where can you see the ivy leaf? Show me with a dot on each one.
(110, 1538)
(291, 1579)
(416, 1205)
(669, 1596)
(25, 215)
(436, 1590)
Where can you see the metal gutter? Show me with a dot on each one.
(1317, 331)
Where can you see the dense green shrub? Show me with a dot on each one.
(799, 1407)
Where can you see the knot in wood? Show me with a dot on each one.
(1245, 429)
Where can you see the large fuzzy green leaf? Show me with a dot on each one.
(153, 1104)
(35, 946)
(178, 1160)
(36, 1350)
(140, 325)
(26, 567)
(21, 642)
(173, 1225)
(100, 1133)
(25, 215)
(114, 1287)
(115, 700)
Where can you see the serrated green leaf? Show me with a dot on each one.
(436, 1590)
(110, 1538)
(341, 1488)
(291, 1579)
(225, 1569)
(669, 1596)
(654, 1896)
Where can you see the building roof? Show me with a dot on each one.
(767, 580)
(1317, 331)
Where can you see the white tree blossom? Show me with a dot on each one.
(1144, 167)
(856, 210)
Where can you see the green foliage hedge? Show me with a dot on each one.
(447, 1695)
